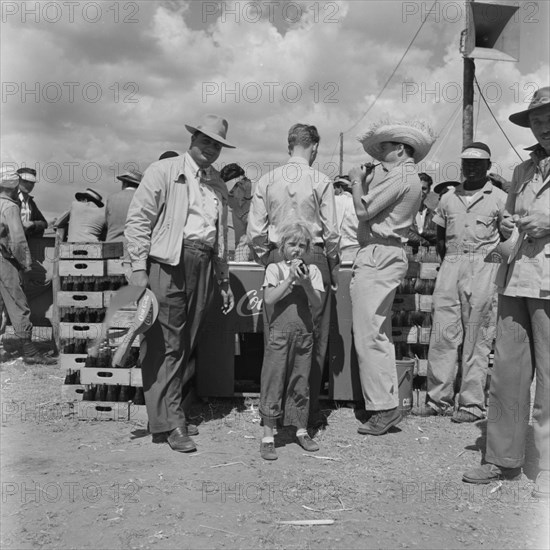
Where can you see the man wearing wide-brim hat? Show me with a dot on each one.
(86, 217)
(176, 231)
(386, 210)
(522, 347)
(15, 259)
(117, 205)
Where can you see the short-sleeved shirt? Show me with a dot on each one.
(471, 219)
(275, 274)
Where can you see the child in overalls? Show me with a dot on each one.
(292, 295)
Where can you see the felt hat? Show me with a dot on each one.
(168, 155)
(214, 127)
(90, 195)
(231, 171)
(442, 185)
(540, 102)
(27, 174)
(9, 178)
(415, 133)
(133, 177)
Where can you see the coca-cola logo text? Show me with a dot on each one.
(250, 304)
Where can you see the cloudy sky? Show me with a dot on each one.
(90, 89)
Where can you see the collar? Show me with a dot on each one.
(193, 167)
(298, 160)
(23, 197)
(487, 188)
(6, 198)
(538, 153)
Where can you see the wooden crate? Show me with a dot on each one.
(90, 251)
(404, 302)
(114, 267)
(88, 268)
(71, 393)
(72, 361)
(80, 299)
(103, 410)
(124, 377)
(87, 331)
(405, 334)
(424, 302)
(429, 270)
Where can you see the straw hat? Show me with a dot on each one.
(540, 101)
(9, 178)
(132, 177)
(214, 127)
(415, 133)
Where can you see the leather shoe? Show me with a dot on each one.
(380, 422)
(307, 443)
(180, 441)
(427, 410)
(267, 451)
(488, 473)
(463, 416)
(542, 485)
(161, 437)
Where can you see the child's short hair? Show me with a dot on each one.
(295, 229)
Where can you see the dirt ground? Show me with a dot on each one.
(103, 484)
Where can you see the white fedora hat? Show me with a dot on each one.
(214, 127)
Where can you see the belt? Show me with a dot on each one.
(197, 245)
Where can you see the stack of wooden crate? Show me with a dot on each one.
(412, 308)
(86, 276)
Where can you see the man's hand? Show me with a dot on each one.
(361, 174)
(139, 278)
(507, 226)
(536, 225)
(227, 297)
(334, 277)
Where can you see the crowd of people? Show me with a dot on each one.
(493, 286)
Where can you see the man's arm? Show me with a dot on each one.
(37, 224)
(258, 224)
(142, 215)
(17, 241)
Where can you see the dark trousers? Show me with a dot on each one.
(14, 300)
(182, 292)
(321, 329)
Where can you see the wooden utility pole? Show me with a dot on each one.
(468, 97)
(341, 154)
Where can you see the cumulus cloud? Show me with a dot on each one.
(93, 94)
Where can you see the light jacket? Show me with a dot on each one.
(158, 213)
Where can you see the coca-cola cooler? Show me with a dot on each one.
(230, 348)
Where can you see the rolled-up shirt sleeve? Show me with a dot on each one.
(142, 215)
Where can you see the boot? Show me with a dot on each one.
(31, 355)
